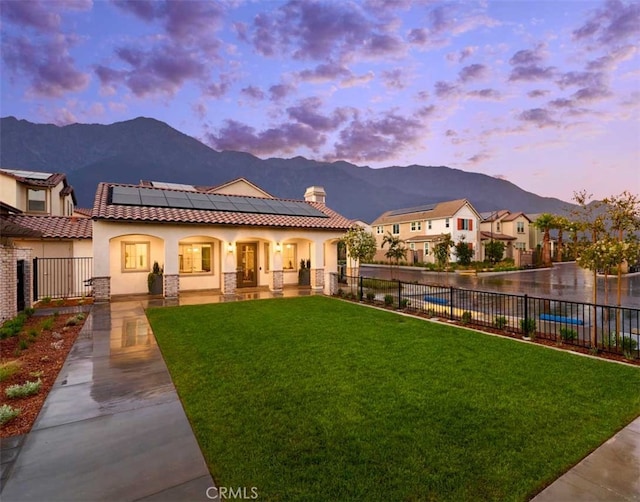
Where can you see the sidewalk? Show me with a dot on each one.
(112, 427)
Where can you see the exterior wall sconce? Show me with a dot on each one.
(230, 247)
(278, 247)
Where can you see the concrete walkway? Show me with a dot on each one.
(113, 428)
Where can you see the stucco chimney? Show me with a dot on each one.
(315, 194)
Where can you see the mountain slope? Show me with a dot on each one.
(145, 148)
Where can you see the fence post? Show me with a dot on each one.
(526, 315)
(399, 294)
(451, 302)
(361, 295)
(34, 277)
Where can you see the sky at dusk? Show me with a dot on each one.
(543, 94)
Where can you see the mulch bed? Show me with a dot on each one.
(63, 302)
(42, 359)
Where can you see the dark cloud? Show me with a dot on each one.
(281, 91)
(426, 111)
(32, 14)
(418, 36)
(285, 138)
(537, 93)
(253, 92)
(446, 89)
(561, 103)
(146, 10)
(614, 23)
(459, 57)
(325, 72)
(218, 89)
(450, 133)
(485, 94)
(161, 70)
(593, 85)
(610, 61)
(47, 64)
(532, 73)
(478, 158)
(526, 58)
(423, 95)
(306, 112)
(375, 140)
(394, 79)
(383, 45)
(472, 72)
(592, 93)
(538, 116)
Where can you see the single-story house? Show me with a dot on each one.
(226, 238)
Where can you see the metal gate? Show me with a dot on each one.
(62, 277)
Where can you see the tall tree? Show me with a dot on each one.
(561, 224)
(464, 251)
(545, 223)
(442, 250)
(396, 249)
(361, 246)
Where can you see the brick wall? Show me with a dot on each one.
(102, 289)
(171, 285)
(25, 254)
(8, 282)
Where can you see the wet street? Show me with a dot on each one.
(565, 281)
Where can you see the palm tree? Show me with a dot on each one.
(561, 224)
(545, 222)
(396, 250)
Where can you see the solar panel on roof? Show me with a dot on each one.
(139, 196)
(34, 175)
(417, 209)
(173, 186)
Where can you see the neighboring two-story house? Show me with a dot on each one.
(421, 227)
(512, 229)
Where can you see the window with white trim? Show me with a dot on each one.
(521, 246)
(135, 256)
(465, 224)
(520, 227)
(379, 229)
(36, 200)
(412, 246)
(429, 224)
(395, 228)
(416, 226)
(426, 248)
(446, 223)
(195, 258)
(266, 257)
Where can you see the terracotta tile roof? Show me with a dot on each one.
(515, 216)
(494, 215)
(86, 211)
(52, 181)
(440, 210)
(424, 238)
(104, 210)
(52, 227)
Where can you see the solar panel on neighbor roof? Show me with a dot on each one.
(417, 209)
(136, 196)
(172, 186)
(34, 175)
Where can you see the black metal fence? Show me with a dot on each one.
(62, 277)
(601, 327)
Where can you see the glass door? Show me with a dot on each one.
(247, 265)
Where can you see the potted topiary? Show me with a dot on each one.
(154, 279)
(304, 274)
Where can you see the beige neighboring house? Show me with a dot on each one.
(421, 227)
(38, 219)
(229, 238)
(512, 229)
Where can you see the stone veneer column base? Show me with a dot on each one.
(171, 285)
(278, 280)
(101, 289)
(230, 283)
(333, 284)
(317, 279)
(9, 283)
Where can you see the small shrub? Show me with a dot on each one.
(350, 296)
(568, 334)
(36, 374)
(56, 314)
(626, 344)
(431, 313)
(47, 324)
(528, 327)
(404, 303)
(8, 413)
(500, 322)
(8, 369)
(23, 344)
(388, 300)
(60, 302)
(371, 296)
(466, 317)
(46, 300)
(24, 390)
(80, 317)
(72, 321)
(33, 333)
(29, 311)
(340, 292)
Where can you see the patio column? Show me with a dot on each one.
(229, 275)
(276, 267)
(171, 286)
(317, 265)
(330, 267)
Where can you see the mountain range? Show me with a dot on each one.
(147, 149)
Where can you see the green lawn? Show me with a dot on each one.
(313, 398)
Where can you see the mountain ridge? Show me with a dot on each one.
(146, 148)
